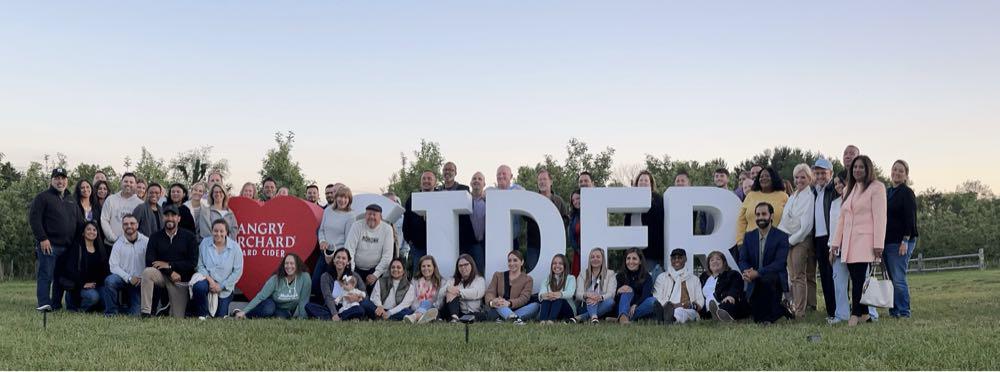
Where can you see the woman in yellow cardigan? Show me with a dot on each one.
(769, 188)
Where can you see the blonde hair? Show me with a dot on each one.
(603, 269)
(803, 167)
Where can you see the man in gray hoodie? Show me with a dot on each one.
(117, 206)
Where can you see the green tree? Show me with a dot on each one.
(149, 168)
(407, 179)
(278, 164)
(16, 240)
(564, 175)
(665, 170)
(85, 171)
(193, 166)
(8, 174)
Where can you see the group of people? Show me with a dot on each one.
(144, 249)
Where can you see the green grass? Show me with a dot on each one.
(956, 326)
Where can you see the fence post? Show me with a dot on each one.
(920, 262)
(982, 260)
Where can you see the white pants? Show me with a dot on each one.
(683, 315)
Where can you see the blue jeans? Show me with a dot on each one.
(525, 312)
(83, 299)
(317, 294)
(268, 309)
(356, 312)
(199, 295)
(319, 311)
(596, 310)
(113, 304)
(841, 277)
(47, 286)
(370, 311)
(424, 306)
(644, 309)
(555, 310)
(897, 265)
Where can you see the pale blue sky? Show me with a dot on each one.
(502, 82)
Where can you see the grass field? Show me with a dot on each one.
(955, 326)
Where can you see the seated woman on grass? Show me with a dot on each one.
(463, 294)
(514, 305)
(556, 295)
(285, 293)
(596, 289)
(428, 292)
(635, 288)
(331, 285)
(392, 296)
(723, 289)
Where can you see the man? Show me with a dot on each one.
(127, 261)
(100, 176)
(312, 194)
(534, 236)
(449, 171)
(678, 292)
(140, 189)
(171, 259)
(269, 189)
(721, 178)
(370, 242)
(585, 180)
(682, 179)
(149, 215)
(331, 194)
(117, 206)
(215, 178)
(415, 225)
(478, 220)
(850, 152)
(54, 218)
(755, 170)
(762, 261)
(824, 192)
(505, 181)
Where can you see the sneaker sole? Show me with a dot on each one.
(723, 315)
(428, 316)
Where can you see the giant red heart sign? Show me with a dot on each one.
(267, 231)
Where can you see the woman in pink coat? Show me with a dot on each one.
(860, 234)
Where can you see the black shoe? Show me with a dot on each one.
(145, 316)
(668, 313)
(162, 309)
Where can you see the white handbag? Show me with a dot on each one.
(877, 292)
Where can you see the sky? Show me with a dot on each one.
(502, 82)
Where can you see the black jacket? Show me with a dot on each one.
(54, 217)
(901, 214)
(80, 268)
(642, 285)
(415, 226)
(653, 220)
(729, 283)
(181, 252)
(829, 194)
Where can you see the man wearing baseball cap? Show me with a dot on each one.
(171, 259)
(371, 243)
(825, 194)
(54, 218)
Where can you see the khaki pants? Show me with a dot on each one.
(797, 260)
(178, 292)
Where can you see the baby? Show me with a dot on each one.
(349, 309)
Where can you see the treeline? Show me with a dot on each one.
(950, 223)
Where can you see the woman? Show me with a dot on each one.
(428, 292)
(178, 196)
(508, 296)
(86, 199)
(220, 266)
(393, 295)
(217, 208)
(841, 277)
(797, 221)
(463, 294)
(723, 290)
(597, 292)
(768, 188)
(556, 297)
(337, 221)
(102, 190)
(197, 195)
(85, 268)
(285, 293)
(635, 288)
(331, 286)
(900, 236)
(249, 191)
(573, 232)
(653, 220)
(860, 236)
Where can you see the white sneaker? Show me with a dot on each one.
(832, 321)
(412, 318)
(428, 316)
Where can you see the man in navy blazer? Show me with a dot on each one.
(764, 269)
